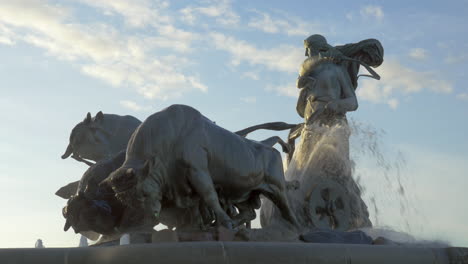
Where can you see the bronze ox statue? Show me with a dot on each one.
(100, 137)
(178, 161)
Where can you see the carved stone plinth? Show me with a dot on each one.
(236, 252)
(328, 196)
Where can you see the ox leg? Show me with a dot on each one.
(275, 189)
(247, 210)
(203, 184)
(278, 197)
(246, 214)
(195, 158)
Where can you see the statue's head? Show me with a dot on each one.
(89, 140)
(316, 44)
(84, 214)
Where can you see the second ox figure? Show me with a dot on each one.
(179, 158)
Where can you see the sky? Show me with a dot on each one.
(237, 63)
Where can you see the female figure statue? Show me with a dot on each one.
(328, 77)
(328, 196)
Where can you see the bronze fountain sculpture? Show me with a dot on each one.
(184, 171)
(206, 184)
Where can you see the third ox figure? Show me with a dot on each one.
(180, 169)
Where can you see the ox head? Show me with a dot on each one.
(84, 214)
(89, 140)
(136, 188)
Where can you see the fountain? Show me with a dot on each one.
(204, 183)
(328, 196)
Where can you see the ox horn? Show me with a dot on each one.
(68, 152)
(87, 119)
(67, 225)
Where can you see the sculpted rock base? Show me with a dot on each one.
(328, 196)
(337, 237)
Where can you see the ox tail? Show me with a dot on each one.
(277, 126)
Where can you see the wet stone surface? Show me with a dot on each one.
(338, 237)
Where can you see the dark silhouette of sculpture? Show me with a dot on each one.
(95, 139)
(158, 181)
(328, 77)
(328, 80)
(93, 208)
(100, 137)
(87, 143)
(179, 155)
(328, 197)
(182, 170)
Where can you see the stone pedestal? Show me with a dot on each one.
(236, 252)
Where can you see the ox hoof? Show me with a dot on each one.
(228, 224)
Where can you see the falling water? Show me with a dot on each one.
(354, 155)
(386, 186)
(387, 173)
(322, 155)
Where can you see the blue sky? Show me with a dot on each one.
(237, 62)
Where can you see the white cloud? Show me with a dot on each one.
(6, 40)
(372, 11)
(134, 106)
(283, 58)
(143, 13)
(174, 38)
(48, 29)
(251, 75)
(463, 96)
(221, 10)
(285, 24)
(418, 54)
(6, 35)
(101, 50)
(137, 13)
(399, 80)
(249, 99)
